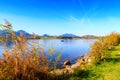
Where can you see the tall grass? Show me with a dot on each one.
(24, 62)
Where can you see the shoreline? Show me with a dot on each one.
(69, 69)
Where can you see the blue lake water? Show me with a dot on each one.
(70, 49)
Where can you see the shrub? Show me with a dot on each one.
(112, 40)
(101, 48)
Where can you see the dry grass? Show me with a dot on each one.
(24, 62)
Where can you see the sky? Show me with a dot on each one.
(56, 17)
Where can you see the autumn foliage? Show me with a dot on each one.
(24, 60)
(101, 48)
(24, 63)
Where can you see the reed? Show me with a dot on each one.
(24, 62)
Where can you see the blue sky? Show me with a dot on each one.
(56, 17)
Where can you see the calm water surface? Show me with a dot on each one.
(70, 49)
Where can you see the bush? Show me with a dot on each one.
(101, 48)
(112, 40)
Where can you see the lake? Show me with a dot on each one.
(70, 49)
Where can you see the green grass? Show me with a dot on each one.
(108, 69)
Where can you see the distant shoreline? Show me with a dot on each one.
(62, 38)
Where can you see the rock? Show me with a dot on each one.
(76, 65)
(67, 66)
(85, 59)
(62, 71)
(82, 56)
(89, 60)
(67, 62)
(68, 71)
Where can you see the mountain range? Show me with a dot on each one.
(26, 34)
(69, 35)
(6, 32)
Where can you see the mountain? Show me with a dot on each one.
(26, 34)
(5, 32)
(69, 35)
(46, 35)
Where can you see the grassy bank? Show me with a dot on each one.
(107, 69)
